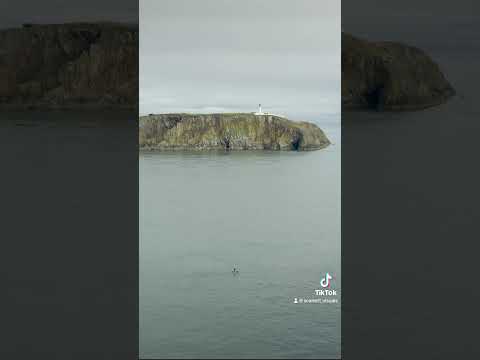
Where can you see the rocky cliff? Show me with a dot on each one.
(390, 76)
(69, 65)
(236, 131)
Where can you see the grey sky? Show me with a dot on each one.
(13, 13)
(230, 55)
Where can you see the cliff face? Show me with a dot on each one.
(390, 76)
(51, 66)
(237, 131)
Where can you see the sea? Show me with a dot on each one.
(274, 216)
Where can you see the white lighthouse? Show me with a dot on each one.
(259, 110)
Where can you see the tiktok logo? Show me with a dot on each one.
(325, 282)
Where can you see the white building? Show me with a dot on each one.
(259, 112)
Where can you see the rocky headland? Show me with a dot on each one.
(390, 76)
(69, 65)
(234, 131)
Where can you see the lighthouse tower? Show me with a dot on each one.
(259, 110)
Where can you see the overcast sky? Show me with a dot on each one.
(13, 13)
(230, 55)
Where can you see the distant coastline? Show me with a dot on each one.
(227, 131)
(69, 66)
(389, 76)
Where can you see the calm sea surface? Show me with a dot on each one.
(273, 215)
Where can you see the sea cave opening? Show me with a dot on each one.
(296, 144)
(375, 98)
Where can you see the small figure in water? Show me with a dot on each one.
(234, 271)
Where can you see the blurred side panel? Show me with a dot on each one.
(409, 179)
(69, 155)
